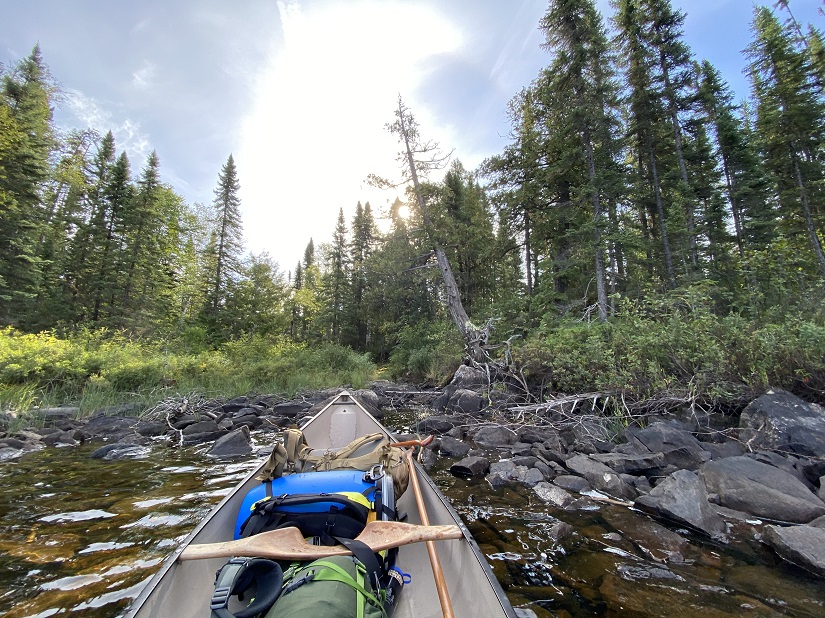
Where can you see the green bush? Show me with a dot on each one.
(426, 352)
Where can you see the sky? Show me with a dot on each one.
(299, 92)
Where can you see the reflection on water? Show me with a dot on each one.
(81, 537)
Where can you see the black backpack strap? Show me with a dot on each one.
(370, 561)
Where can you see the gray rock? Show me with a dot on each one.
(527, 461)
(248, 420)
(553, 494)
(438, 424)
(521, 449)
(571, 483)
(200, 438)
(200, 427)
(819, 522)
(107, 426)
(529, 477)
(233, 444)
(600, 476)
(492, 436)
(801, 545)
(683, 498)
(470, 467)
(466, 401)
(731, 448)
(151, 428)
(61, 438)
(680, 448)
(127, 451)
(821, 491)
(532, 434)
(290, 409)
(744, 484)
(649, 463)
(450, 447)
(7, 453)
(782, 421)
(466, 377)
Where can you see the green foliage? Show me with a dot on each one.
(99, 366)
(677, 342)
(426, 352)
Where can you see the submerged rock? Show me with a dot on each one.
(600, 476)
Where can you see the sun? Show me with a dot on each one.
(404, 212)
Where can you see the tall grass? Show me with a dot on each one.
(96, 369)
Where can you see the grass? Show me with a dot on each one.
(96, 370)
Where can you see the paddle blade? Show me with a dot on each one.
(288, 544)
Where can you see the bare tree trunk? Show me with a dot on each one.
(474, 338)
(601, 293)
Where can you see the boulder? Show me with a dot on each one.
(100, 426)
(553, 494)
(151, 428)
(571, 483)
(127, 451)
(492, 436)
(649, 463)
(200, 427)
(744, 484)
(233, 444)
(438, 424)
(680, 447)
(801, 545)
(468, 378)
(470, 467)
(532, 434)
(7, 453)
(782, 421)
(600, 476)
(450, 447)
(290, 409)
(466, 401)
(682, 497)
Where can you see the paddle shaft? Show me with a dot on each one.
(438, 573)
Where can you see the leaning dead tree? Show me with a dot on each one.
(424, 156)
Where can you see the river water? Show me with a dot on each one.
(80, 537)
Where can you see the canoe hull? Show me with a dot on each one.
(183, 589)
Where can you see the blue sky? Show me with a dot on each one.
(300, 91)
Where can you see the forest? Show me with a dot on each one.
(642, 233)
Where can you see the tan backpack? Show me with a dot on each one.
(364, 453)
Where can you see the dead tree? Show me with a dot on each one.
(416, 157)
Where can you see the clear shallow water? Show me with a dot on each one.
(80, 537)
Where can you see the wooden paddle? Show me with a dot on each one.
(435, 563)
(289, 544)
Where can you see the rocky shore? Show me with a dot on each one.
(764, 476)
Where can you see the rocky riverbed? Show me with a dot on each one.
(762, 478)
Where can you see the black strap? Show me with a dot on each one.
(364, 553)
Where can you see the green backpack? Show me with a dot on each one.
(332, 587)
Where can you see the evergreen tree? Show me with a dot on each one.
(581, 77)
(790, 126)
(364, 238)
(25, 146)
(335, 282)
(226, 246)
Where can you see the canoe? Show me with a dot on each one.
(183, 588)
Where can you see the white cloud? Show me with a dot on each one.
(317, 127)
(143, 78)
(128, 135)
